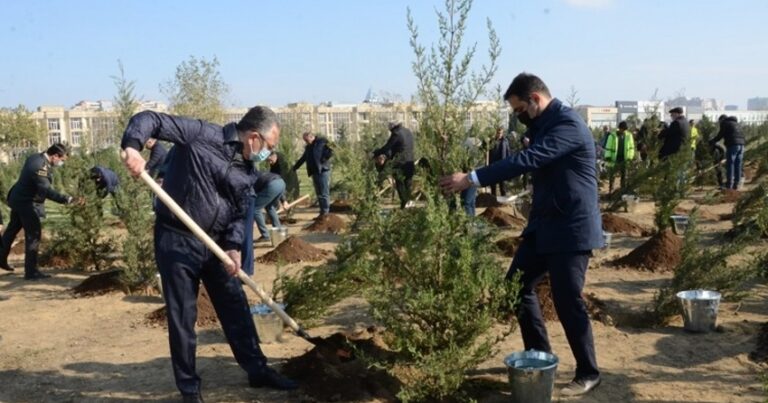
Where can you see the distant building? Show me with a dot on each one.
(640, 109)
(744, 117)
(599, 116)
(757, 104)
(731, 107)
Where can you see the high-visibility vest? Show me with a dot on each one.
(694, 136)
(612, 147)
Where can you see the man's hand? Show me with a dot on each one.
(285, 205)
(78, 201)
(133, 161)
(233, 267)
(455, 183)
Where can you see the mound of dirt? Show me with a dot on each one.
(730, 196)
(293, 250)
(341, 206)
(498, 217)
(508, 246)
(658, 254)
(206, 315)
(595, 307)
(760, 354)
(486, 200)
(701, 214)
(57, 261)
(327, 223)
(99, 284)
(619, 225)
(331, 372)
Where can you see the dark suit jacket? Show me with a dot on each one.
(317, 156)
(677, 134)
(565, 215)
(399, 147)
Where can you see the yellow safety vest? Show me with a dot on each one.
(612, 147)
(694, 136)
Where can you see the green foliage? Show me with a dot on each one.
(134, 206)
(447, 87)
(670, 187)
(750, 214)
(19, 132)
(437, 291)
(197, 90)
(703, 268)
(84, 238)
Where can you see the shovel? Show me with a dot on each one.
(293, 203)
(216, 249)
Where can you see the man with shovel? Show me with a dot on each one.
(564, 223)
(209, 177)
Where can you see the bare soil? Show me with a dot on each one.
(616, 224)
(328, 223)
(56, 348)
(660, 253)
(508, 246)
(293, 250)
(500, 218)
(98, 284)
(206, 314)
(341, 206)
(486, 200)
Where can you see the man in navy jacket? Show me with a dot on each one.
(210, 176)
(564, 224)
(318, 155)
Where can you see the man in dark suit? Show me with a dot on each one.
(399, 150)
(318, 155)
(26, 199)
(674, 136)
(564, 224)
(498, 152)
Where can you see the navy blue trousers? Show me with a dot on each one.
(183, 262)
(566, 276)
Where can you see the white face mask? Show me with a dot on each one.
(59, 163)
(263, 154)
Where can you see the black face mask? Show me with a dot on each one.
(525, 118)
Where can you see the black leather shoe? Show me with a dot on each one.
(36, 276)
(269, 378)
(192, 399)
(5, 266)
(580, 386)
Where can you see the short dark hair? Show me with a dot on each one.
(623, 125)
(524, 85)
(258, 118)
(57, 149)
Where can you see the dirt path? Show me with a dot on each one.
(57, 348)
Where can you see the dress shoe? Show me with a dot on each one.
(268, 377)
(36, 276)
(580, 386)
(6, 266)
(192, 399)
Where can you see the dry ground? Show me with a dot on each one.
(57, 348)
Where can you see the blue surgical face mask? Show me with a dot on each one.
(261, 155)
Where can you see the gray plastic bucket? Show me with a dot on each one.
(277, 235)
(679, 223)
(699, 310)
(531, 376)
(269, 326)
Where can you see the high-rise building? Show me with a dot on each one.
(757, 104)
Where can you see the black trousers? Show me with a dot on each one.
(23, 216)
(566, 275)
(403, 174)
(183, 262)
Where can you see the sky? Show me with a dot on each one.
(276, 52)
